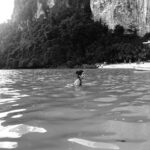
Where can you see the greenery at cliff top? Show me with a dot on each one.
(69, 38)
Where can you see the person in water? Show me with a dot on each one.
(80, 76)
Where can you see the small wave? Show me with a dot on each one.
(91, 83)
(92, 144)
(69, 85)
(8, 145)
(106, 99)
(17, 131)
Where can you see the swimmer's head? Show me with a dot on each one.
(79, 74)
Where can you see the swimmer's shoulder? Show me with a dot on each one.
(77, 82)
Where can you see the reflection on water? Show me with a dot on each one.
(8, 145)
(16, 131)
(41, 110)
(10, 94)
(91, 144)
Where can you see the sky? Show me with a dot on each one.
(6, 9)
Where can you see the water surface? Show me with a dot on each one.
(41, 110)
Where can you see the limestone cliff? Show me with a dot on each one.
(128, 13)
(25, 9)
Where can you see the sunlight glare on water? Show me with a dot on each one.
(41, 110)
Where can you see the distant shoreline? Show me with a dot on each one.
(83, 66)
(125, 65)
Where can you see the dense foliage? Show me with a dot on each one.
(67, 39)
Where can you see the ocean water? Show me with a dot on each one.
(41, 110)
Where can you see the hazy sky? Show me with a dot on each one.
(6, 9)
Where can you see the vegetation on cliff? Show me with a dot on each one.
(67, 39)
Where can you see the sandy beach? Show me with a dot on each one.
(145, 65)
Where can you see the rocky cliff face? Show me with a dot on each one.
(37, 8)
(24, 9)
(128, 13)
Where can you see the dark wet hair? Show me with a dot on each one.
(79, 72)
